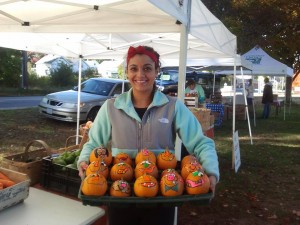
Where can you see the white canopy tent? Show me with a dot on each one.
(264, 65)
(104, 29)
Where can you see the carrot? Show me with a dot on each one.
(7, 183)
(3, 176)
(1, 186)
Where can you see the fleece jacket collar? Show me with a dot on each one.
(124, 102)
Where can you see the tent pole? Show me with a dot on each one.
(233, 110)
(184, 31)
(78, 100)
(246, 106)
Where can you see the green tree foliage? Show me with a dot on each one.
(274, 25)
(10, 67)
(63, 76)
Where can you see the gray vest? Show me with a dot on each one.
(156, 132)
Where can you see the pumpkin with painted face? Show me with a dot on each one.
(171, 184)
(166, 160)
(190, 167)
(94, 184)
(122, 157)
(164, 172)
(188, 159)
(145, 155)
(146, 167)
(197, 183)
(101, 154)
(145, 186)
(120, 188)
(121, 171)
(97, 167)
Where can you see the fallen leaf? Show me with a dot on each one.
(296, 212)
(193, 214)
(273, 217)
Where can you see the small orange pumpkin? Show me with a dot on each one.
(164, 172)
(197, 183)
(94, 184)
(146, 167)
(166, 160)
(187, 159)
(120, 188)
(120, 171)
(145, 186)
(97, 167)
(189, 168)
(145, 155)
(101, 154)
(122, 157)
(171, 184)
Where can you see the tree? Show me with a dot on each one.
(10, 67)
(63, 76)
(274, 25)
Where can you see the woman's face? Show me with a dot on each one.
(192, 86)
(141, 73)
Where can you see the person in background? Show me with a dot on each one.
(267, 98)
(141, 118)
(250, 91)
(194, 88)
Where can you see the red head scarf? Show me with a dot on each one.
(132, 51)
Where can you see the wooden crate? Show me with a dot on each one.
(17, 193)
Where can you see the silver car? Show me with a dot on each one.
(63, 105)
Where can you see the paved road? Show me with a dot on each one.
(8, 103)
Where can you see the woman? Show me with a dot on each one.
(146, 118)
(192, 87)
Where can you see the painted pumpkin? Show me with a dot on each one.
(190, 168)
(97, 167)
(197, 183)
(101, 154)
(121, 171)
(164, 172)
(188, 159)
(120, 188)
(122, 157)
(94, 184)
(146, 167)
(145, 186)
(145, 155)
(171, 184)
(166, 160)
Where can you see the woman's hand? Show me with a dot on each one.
(213, 183)
(82, 167)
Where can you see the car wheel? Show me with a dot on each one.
(92, 114)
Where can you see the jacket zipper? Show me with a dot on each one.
(139, 136)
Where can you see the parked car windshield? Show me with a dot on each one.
(168, 76)
(96, 87)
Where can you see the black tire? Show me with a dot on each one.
(92, 114)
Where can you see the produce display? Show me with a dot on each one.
(145, 176)
(5, 181)
(67, 158)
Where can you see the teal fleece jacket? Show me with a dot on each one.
(117, 122)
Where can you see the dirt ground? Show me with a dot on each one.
(262, 192)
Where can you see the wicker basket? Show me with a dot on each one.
(30, 161)
(70, 145)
